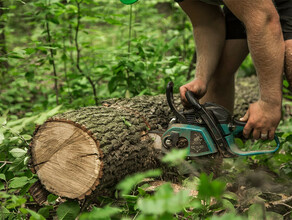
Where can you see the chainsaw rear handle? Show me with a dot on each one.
(239, 123)
(169, 97)
(193, 100)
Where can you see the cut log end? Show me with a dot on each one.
(66, 158)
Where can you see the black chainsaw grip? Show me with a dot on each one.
(169, 97)
(193, 100)
(239, 123)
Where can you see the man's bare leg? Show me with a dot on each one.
(288, 62)
(221, 85)
(209, 32)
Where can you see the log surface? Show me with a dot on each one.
(63, 152)
(89, 150)
(66, 150)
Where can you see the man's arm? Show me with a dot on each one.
(209, 33)
(266, 46)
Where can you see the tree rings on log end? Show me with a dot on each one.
(66, 158)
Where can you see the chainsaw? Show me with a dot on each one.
(205, 129)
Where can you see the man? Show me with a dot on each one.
(219, 58)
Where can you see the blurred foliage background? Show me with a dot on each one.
(62, 54)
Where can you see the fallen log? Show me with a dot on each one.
(88, 151)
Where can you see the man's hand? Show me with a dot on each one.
(262, 120)
(197, 86)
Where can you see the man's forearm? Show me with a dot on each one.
(265, 42)
(268, 59)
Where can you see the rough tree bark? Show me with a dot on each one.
(74, 152)
(87, 151)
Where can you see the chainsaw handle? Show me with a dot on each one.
(239, 123)
(212, 126)
(169, 97)
(238, 126)
(235, 150)
(193, 100)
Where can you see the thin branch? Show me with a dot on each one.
(287, 213)
(79, 54)
(286, 205)
(289, 199)
(4, 65)
(52, 60)
(65, 71)
(16, 133)
(4, 163)
(130, 32)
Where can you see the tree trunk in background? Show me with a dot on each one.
(3, 51)
(88, 151)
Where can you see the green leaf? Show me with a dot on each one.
(44, 116)
(34, 215)
(100, 213)
(230, 196)
(127, 123)
(29, 76)
(17, 164)
(4, 213)
(255, 212)
(16, 201)
(1, 136)
(17, 152)
(2, 176)
(273, 216)
(285, 83)
(45, 211)
(2, 187)
(30, 51)
(112, 21)
(228, 205)
(175, 156)
(52, 198)
(289, 139)
(165, 201)
(18, 182)
(68, 210)
(239, 142)
(26, 137)
(208, 188)
(129, 182)
(228, 216)
(112, 84)
(3, 121)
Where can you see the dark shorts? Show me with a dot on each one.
(236, 30)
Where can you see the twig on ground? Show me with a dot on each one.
(4, 163)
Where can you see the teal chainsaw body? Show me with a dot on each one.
(205, 129)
